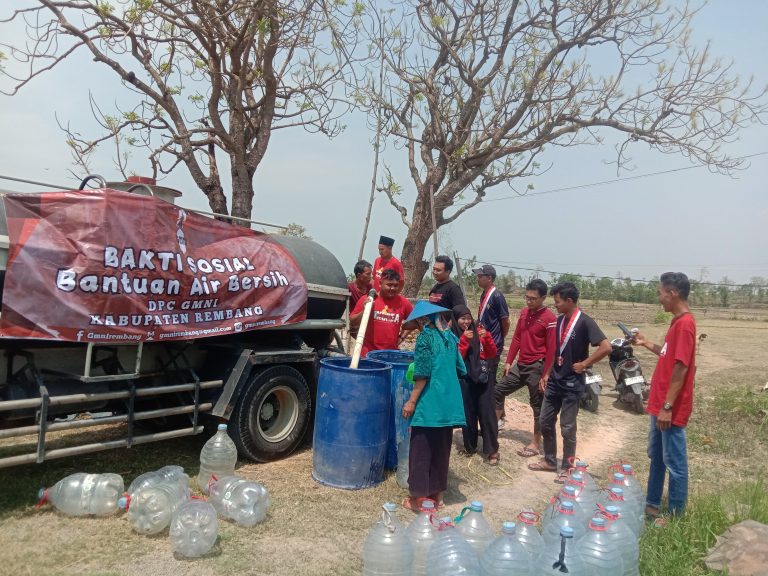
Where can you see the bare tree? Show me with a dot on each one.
(473, 91)
(211, 77)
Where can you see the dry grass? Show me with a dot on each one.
(315, 530)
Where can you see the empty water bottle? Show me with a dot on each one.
(563, 515)
(567, 494)
(194, 529)
(600, 555)
(615, 497)
(624, 540)
(589, 482)
(403, 453)
(241, 500)
(151, 508)
(561, 556)
(527, 533)
(82, 494)
(585, 498)
(217, 458)
(451, 553)
(505, 555)
(387, 550)
(474, 527)
(164, 474)
(633, 488)
(422, 533)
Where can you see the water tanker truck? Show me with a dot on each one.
(125, 313)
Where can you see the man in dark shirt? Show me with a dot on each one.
(446, 292)
(574, 333)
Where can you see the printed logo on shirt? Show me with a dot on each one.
(385, 315)
(435, 298)
(663, 351)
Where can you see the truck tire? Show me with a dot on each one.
(272, 415)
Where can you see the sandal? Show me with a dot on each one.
(561, 478)
(493, 459)
(466, 453)
(412, 504)
(527, 452)
(541, 466)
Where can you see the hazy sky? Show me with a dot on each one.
(704, 224)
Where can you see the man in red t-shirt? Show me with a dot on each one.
(671, 398)
(389, 311)
(530, 340)
(386, 261)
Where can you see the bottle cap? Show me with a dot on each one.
(613, 510)
(569, 490)
(597, 522)
(222, 427)
(566, 532)
(428, 504)
(627, 468)
(124, 502)
(618, 490)
(618, 477)
(580, 464)
(476, 506)
(567, 505)
(508, 527)
(577, 476)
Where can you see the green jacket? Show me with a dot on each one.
(437, 359)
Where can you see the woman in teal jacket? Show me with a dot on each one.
(435, 406)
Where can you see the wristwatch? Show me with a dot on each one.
(667, 406)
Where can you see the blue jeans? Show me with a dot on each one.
(667, 451)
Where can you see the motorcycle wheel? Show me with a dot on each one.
(637, 404)
(589, 400)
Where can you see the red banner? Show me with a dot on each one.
(109, 266)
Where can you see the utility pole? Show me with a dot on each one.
(459, 275)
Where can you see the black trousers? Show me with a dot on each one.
(430, 454)
(479, 409)
(518, 376)
(565, 402)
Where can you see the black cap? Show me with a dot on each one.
(485, 270)
(386, 240)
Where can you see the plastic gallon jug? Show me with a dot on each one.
(217, 458)
(615, 497)
(164, 474)
(624, 540)
(150, 509)
(387, 550)
(561, 557)
(194, 529)
(563, 516)
(451, 553)
(527, 533)
(82, 494)
(589, 482)
(505, 555)
(585, 498)
(600, 555)
(403, 453)
(241, 500)
(567, 494)
(422, 533)
(632, 488)
(474, 527)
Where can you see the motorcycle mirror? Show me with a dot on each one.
(626, 331)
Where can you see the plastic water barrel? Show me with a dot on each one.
(400, 390)
(351, 423)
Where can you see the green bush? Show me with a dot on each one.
(663, 318)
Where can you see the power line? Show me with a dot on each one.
(638, 280)
(604, 182)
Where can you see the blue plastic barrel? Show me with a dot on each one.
(351, 423)
(400, 389)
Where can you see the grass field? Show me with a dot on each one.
(314, 530)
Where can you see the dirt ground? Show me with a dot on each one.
(315, 530)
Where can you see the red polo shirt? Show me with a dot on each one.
(679, 346)
(530, 338)
(387, 316)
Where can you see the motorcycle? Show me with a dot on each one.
(630, 382)
(590, 399)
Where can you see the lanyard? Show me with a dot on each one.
(484, 304)
(563, 341)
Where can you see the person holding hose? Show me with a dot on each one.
(435, 406)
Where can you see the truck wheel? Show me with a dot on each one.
(272, 415)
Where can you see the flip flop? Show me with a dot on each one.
(561, 478)
(493, 459)
(409, 504)
(541, 466)
(527, 452)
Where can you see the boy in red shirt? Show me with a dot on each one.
(389, 311)
(671, 398)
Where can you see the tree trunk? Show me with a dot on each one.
(216, 199)
(415, 243)
(242, 193)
